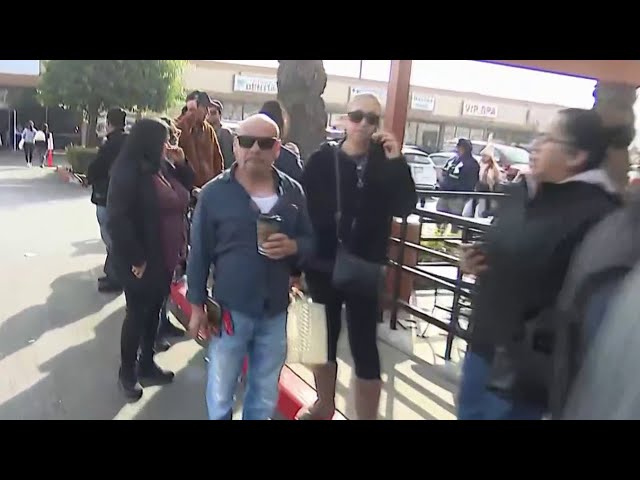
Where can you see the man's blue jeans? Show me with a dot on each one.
(264, 341)
(475, 402)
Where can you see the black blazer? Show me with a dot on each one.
(388, 191)
(134, 223)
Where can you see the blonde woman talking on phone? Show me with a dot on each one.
(375, 184)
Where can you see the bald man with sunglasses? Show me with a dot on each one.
(251, 286)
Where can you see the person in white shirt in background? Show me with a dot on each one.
(40, 146)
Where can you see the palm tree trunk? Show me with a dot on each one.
(614, 103)
(301, 84)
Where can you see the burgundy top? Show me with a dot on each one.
(173, 201)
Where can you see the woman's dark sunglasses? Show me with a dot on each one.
(246, 141)
(358, 115)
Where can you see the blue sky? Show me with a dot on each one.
(20, 67)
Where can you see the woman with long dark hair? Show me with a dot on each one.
(146, 207)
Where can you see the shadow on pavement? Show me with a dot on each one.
(41, 187)
(392, 359)
(81, 381)
(182, 400)
(73, 297)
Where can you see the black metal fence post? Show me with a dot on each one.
(397, 281)
(455, 310)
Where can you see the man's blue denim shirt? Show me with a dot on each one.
(224, 233)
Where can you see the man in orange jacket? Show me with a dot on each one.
(198, 139)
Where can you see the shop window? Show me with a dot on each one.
(428, 135)
(232, 112)
(250, 109)
(449, 133)
(463, 132)
(411, 133)
(477, 134)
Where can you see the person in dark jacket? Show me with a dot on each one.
(146, 206)
(98, 177)
(251, 276)
(224, 135)
(288, 161)
(607, 386)
(176, 162)
(375, 185)
(523, 262)
(460, 174)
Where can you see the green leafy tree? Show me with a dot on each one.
(92, 86)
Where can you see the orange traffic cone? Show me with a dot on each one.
(50, 158)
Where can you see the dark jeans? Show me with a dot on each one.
(109, 271)
(28, 151)
(362, 324)
(164, 324)
(139, 329)
(475, 402)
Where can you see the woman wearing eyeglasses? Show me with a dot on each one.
(375, 185)
(522, 264)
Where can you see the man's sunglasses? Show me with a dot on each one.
(358, 115)
(264, 143)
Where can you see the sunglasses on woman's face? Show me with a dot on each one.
(357, 116)
(264, 143)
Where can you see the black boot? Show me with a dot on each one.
(107, 285)
(169, 330)
(151, 374)
(162, 345)
(129, 385)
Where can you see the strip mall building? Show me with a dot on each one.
(434, 116)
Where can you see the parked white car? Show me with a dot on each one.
(422, 167)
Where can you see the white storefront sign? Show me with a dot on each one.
(479, 109)
(244, 83)
(423, 102)
(378, 92)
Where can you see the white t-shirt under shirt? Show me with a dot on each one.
(265, 204)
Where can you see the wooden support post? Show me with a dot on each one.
(395, 116)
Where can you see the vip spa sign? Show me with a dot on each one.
(244, 83)
(479, 109)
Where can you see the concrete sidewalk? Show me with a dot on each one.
(59, 337)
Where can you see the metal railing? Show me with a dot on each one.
(470, 230)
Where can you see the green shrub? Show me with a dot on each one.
(80, 158)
